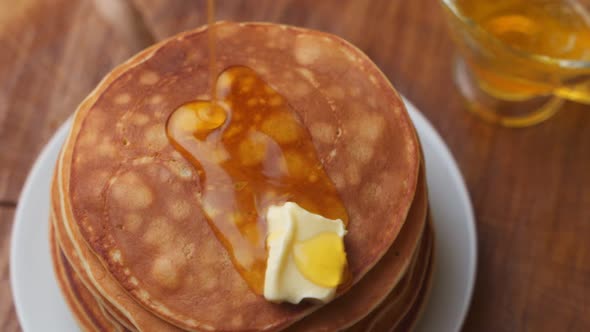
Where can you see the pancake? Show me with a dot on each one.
(400, 301)
(87, 311)
(402, 295)
(133, 200)
(409, 322)
(359, 301)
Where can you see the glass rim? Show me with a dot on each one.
(563, 63)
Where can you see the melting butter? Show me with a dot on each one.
(306, 256)
(321, 259)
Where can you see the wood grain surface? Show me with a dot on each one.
(530, 187)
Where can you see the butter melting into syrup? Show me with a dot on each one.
(251, 151)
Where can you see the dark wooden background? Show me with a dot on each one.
(530, 187)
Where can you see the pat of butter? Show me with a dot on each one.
(306, 257)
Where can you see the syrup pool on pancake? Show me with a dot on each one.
(252, 152)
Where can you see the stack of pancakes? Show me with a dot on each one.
(132, 248)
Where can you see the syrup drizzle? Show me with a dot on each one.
(250, 151)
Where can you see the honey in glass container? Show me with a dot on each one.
(520, 58)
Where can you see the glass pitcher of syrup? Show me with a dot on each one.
(519, 60)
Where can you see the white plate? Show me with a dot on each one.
(40, 306)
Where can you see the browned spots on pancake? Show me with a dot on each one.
(371, 127)
(155, 99)
(308, 49)
(155, 137)
(116, 256)
(106, 148)
(166, 272)
(335, 91)
(134, 281)
(139, 119)
(323, 132)
(149, 78)
(351, 56)
(143, 295)
(130, 192)
(122, 98)
(322, 54)
(182, 171)
(373, 79)
(367, 128)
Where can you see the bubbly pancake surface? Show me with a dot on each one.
(137, 201)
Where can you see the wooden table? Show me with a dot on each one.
(530, 187)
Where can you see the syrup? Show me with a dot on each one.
(251, 151)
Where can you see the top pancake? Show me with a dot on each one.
(136, 200)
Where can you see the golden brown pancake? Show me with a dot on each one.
(134, 201)
(409, 321)
(87, 311)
